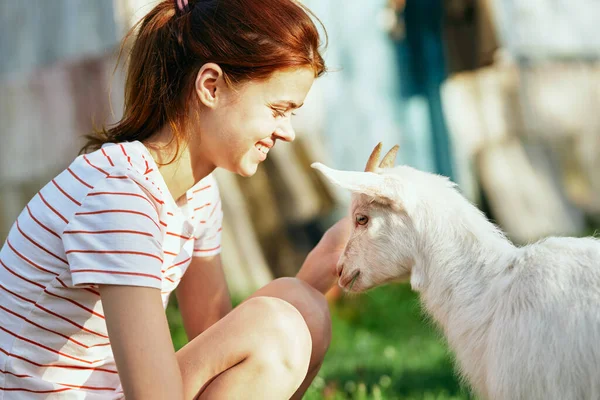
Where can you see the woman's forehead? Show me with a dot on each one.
(289, 86)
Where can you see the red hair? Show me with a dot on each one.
(248, 39)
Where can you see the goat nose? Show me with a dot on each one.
(340, 269)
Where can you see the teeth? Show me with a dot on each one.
(262, 148)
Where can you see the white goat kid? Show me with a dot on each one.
(523, 323)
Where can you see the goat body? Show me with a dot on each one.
(523, 322)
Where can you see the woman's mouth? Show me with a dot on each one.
(262, 151)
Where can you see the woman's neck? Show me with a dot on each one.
(180, 174)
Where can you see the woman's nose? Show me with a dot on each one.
(286, 131)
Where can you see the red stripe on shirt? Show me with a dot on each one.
(17, 375)
(111, 231)
(75, 303)
(68, 387)
(92, 165)
(179, 236)
(148, 169)
(140, 185)
(40, 224)
(28, 260)
(19, 276)
(86, 387)
(50, 207)
(119, 211)
(126, 155)
(201, 189)
(86, 289)
(203, 250)
(34, 391)
(215, 209)
(50, 349)
(201, 207)
(107, 156)
(137, 253)
(159, 201)
(39, 246)
(57, 365)
(65, 193)
(117, 273)
(53, 313)
(51, 331)
(79, 179)
(124, 194)
(178, 264)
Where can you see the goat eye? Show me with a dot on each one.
(361, 219)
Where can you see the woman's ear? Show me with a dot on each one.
(208, 83)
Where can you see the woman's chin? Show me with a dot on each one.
(246, 169)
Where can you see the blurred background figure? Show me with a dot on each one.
(502, 96)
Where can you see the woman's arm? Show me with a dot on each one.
(141, 342)
(202, 295)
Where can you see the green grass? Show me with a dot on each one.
(382, 348)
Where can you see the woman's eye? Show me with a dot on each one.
(361, 219)
(278, 113)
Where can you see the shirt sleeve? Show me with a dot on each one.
(208, 239)
(115, 236)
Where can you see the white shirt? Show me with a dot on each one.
(107, 219)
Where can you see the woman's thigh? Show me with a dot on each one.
(262, 335)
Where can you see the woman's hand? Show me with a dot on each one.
(319, 268)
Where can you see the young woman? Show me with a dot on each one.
(89, 265)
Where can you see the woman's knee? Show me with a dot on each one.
(311, 304)
(284, 341)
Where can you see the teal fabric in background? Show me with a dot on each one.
(422, 66)
(382, 90)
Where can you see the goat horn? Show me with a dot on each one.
(373, 159)
(390, 158)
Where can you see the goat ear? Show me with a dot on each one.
(372, 184)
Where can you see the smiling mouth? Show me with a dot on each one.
(262, 148)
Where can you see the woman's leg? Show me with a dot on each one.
(314, 308)
(269, 347)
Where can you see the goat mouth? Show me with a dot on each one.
(351, 280)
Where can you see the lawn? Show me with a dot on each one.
(382, 348)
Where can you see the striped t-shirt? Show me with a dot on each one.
(107, 219)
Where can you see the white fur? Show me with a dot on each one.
(524, 323)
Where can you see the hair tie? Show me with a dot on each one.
(182, 5)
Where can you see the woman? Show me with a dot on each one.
(89, 265)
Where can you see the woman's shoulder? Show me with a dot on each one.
(113, 167)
